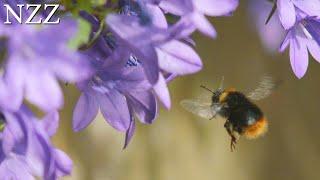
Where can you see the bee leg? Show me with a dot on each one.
(228, 125)
(233, 142)
(214, 116)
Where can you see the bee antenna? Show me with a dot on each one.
(204, 87)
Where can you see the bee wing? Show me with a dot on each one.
(198, 107)
(263, 90)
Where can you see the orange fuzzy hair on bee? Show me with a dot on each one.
(225, 93)
(257, 129)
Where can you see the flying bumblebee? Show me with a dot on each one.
(242, 116)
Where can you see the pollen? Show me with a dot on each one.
(257, 129)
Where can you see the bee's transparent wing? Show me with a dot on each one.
(198, 107)
(263, 90)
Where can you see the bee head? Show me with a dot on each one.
(216, 95)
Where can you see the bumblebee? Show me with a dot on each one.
(243, 117)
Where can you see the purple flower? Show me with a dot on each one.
(288, 10)
(119, 87)
(271, 34)
(132, 64)
(194, 11)
(26, 150)
(303, 38)
(153, 43)
(36, 59)
(119, 91)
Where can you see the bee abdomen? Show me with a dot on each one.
(257, 129)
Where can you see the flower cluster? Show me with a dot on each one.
(135, 57)
(122, 69)
(121, 55)
(300, 19)
(26, 150)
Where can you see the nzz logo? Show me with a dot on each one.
(36, 8)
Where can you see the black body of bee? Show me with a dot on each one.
(242, 116)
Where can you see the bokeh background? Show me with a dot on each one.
(182, 146)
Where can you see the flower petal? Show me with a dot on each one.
(144, 104)
(203, 25)
(313, 28)
(216, 7)
(15, 168)
(129, 133)
(9, 140)
(14, 133)
(14, 78)
(162, 92)
(85, 111)
(43, 90)
(287, 13)
(285, 42)
(115, 110)
(10, 97)
(158, 18)
(314, 49)
(310, 7)
(70, 70)
(63, 162)
(50, 123)
(175, 7)
(298, 57)
(177, 57)
(39, 155)
(149, 62)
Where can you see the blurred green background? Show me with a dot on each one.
(182, 146)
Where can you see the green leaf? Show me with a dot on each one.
(98, 2)
(82, 36)
(75, 7)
